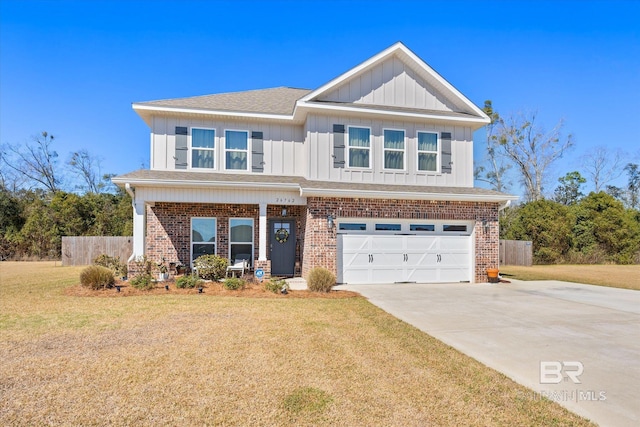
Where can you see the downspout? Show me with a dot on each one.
(131, 193)
(504, 205)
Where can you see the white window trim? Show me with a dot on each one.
(191, 148)
(437, 152)
(248, 150)
(215, 244)
(403, 151)
(253, 231)
(348, 147)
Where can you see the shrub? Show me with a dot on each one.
(97, 277)
(188, 281)
(275, 285)
(143, 282)
(320, 280)
(143, 265)
(112, 263)
(233, 283)
(211, 267)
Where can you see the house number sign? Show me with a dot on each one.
(285, 200)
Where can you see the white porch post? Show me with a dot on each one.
(262, 233)
(138, 229)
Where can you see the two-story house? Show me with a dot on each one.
(370, 176)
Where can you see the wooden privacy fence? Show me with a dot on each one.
(81, 250)
(516, 252)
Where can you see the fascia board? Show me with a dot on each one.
(201, 184)
(364, 194)
(180, 110)
(479, 120)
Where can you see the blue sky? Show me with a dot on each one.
(73, 68)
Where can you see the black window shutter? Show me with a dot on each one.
(257, 152)
(445, 139)
(182, 147)
(338, 146)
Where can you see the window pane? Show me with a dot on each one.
(427, 141)
(236, 160)
(394, 139)
(202, 138)
(352, 226)
(236, 140)
(359, 158)
(203, 249)
(203, 230)
(358, 137)
(422, 227)
(387, 227)
(394, 160)
(241, 251)
(454, 228)
(427, 162)
(202, 159)
(241, 230)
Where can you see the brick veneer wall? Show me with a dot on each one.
(320, 247)
(169, 229)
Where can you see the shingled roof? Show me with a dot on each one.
(279, 100)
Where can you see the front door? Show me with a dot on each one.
(283, 246)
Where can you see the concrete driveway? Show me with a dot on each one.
(578, 345)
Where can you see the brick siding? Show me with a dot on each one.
(169, 227)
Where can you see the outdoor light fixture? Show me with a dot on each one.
(330, 221)
(284, 211)
(485, 224)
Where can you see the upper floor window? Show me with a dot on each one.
(393, 149)
(359, 147)
(236, 148)
(203, 148)
(428, 151)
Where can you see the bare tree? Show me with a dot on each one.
(495, 173)
(87, 168)
(35, 162)
(531, 149)
(603, 166)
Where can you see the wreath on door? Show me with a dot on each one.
(282, 235)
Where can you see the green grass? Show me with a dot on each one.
(194, 359)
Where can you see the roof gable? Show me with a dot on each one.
(395, 77)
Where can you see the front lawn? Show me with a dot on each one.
(198, 359)
(616, 276)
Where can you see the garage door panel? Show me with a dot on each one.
(403, 258)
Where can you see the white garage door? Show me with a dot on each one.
(371, 258)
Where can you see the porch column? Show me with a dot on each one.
(262, 233)
(138, 229)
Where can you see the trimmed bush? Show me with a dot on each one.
(97, 277)
(233, 283)
(275, 285)
(211, 267)
(189, 281)
(320, 280)
(144, 282)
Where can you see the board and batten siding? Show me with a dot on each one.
(319, 131)
(283, 144)
(391, 83)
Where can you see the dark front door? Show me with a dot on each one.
(283, 246)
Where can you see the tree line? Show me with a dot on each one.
(564, 224)
(43, 199)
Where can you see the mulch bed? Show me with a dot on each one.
(252, 290)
